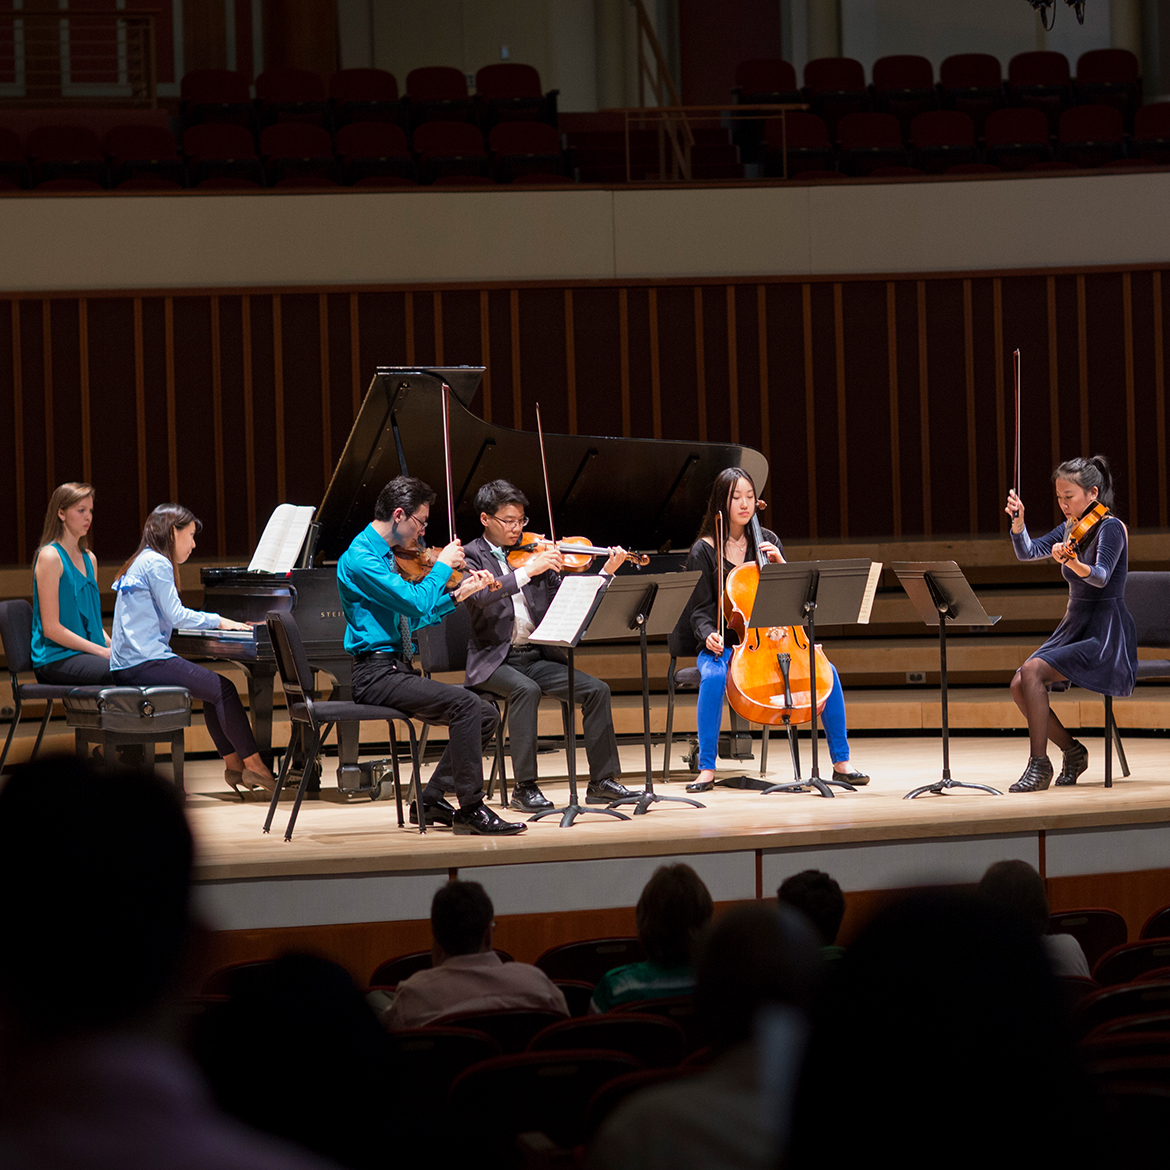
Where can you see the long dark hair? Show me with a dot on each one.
(159, 534)
(721, 492)
(1089, 473)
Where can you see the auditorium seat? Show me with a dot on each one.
(510, 92)
(1097, 929)
(149, 183)
(653, 1040)
(394, 971)
(808, 145)
(134, 151)
(896, 173)
(1014, 138)
(904, 87)
(589, 959)
(228, 183)
(364, 95)
(1157, 925)
(1091, 136)
(307, 183)
(975, 168)
(468, 180)
(520, 148)
(291, 95)
(868, 141)
(536, 179)
(386, 181)
(297, 150)
(835, 86)
(510, 1028)
(216, 149)
(438, 93)
(972, 83)
(940, 139)
(1110, 77)
(766, 81)
(1040, 80)
(449, 148)
(215, 95)
(431, 1059)
(13, 161)
(610, 1095)
(1151, 133)
(66, 152)
(679, 1008)
(1127, 962)
(8, 184)
(372, 149)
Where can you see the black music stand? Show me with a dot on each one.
(798, 594)
(941, 594)
(650, 605)
(573, 810)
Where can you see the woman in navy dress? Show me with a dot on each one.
(1095, 645)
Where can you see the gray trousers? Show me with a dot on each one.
(523, 677)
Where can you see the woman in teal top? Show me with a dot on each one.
(69, 645)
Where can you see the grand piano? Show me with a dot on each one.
(644, 494)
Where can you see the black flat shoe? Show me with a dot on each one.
(437, 812)
(481, 820)
(529, 798)
(857, 779)
(1075, 761)
(1037, 775)
(604, 791)
(700, 786)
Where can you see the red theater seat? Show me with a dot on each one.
(438, 93)
(296, 149)
(215, 95)
(806, 138)
(510, 92)
(14, 166)
(364, 95)
(374, 149)
(66, 152)
(835, 86)
(291, 95)
(520, 148)
(216, 149)
(135, 151)
(1091, 136)
(972, 83)
(1151, 133)
(1040, 80)
(449, 148)
(765, 80)
(941, 139)
(1016, 138)
(1110, 77)
(904, 86)
(868, 141)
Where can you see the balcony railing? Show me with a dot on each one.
(65, 57)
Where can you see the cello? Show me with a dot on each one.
(768, 676)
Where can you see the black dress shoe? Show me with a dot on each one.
(480, 819)
(1075, 761)
(605, 791)
(437, 812)
(529, 798)
(700, 786)
(857, 779)
(1037, 775)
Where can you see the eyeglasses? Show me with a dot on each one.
(420, 523)
(522, 523)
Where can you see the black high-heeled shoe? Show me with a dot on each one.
(1037, 775)
(1075, 761)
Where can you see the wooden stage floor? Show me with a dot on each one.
(348, 836)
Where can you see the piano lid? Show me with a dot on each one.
(645, 494)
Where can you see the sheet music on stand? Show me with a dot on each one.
(568, 616)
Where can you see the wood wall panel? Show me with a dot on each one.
(884, 403)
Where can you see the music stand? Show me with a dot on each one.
(650, 605)
(941, 594)
(573, 809)
(837, 592)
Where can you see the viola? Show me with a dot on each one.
(415, 561)
(768, 677)
(578, 552)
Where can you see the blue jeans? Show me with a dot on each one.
(713, 673)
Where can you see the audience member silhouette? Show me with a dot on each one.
(818, 897)
(97, 866)
(466, 974)
(949, 1049)
(299, 1026)
(754, 981)
(1016, 887)
(673, 909)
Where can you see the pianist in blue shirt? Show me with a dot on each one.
(147, 609)
(382, 611)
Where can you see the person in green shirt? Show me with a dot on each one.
(818, 897)
(673, 910)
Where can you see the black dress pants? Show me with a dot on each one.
(523, 677)
(470, 720)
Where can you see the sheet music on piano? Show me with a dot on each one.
(871, 584)
(284, 535)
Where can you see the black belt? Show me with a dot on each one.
(374, 655)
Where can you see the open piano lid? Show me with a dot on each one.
(644, 494)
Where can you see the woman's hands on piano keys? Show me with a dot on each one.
(473, 583)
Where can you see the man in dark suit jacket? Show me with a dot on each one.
(501, 660)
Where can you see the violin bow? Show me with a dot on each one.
(447, 460)
(719, 567)
(552, 534)
(1016, 449)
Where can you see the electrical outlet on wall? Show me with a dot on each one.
(916, 676)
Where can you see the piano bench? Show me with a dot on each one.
(121, 717)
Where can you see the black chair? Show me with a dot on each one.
(443, 650)
(314, 719)
(1147, 597)
(16, 622)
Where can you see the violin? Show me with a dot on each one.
(768, 676)
(1081, 531)
(578, 552)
